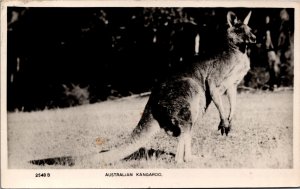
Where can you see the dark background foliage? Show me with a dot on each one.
(59, 57)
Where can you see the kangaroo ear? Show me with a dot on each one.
(246, 21)
(231, 18)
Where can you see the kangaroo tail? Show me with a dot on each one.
(144, 131)
(146, 128)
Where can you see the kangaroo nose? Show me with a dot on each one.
(253, 38)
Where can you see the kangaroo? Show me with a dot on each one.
(175, 104)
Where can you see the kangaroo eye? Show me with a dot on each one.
(238, 30)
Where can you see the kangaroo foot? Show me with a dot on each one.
(191, 158)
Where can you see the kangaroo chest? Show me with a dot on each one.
(240, 68)
(237, 67)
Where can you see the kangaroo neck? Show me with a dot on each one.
(242, 47)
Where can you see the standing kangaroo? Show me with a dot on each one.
(175, 104)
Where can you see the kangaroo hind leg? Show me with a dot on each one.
(178, 124)
(184, 151)
(187, 118)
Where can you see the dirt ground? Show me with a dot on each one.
(261, 137)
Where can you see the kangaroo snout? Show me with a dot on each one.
(252, 38)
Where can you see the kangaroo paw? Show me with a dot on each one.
(222, 130)
(227, 129)
(224, 126)
(220, 127)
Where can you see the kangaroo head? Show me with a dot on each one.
(239, 32)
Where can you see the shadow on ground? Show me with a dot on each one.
(140, 154)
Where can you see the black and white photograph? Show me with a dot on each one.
(130, 88)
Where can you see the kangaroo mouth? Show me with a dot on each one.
(253, 41)
(250, 41)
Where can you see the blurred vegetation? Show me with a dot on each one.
(93, 54)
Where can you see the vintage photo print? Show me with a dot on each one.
(149, 94)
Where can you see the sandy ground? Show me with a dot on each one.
(261, 136)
